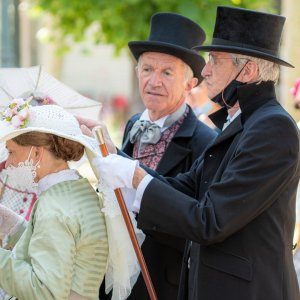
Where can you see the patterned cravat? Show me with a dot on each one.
(147, 133)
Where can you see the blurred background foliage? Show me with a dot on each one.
(116, 22)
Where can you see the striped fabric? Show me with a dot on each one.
(64, 247)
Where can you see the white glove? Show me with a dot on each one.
(115, 170)
(9, 221)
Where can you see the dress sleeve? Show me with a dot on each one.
(46, 272)
(15, 235)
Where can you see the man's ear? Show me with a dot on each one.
(192, 83)
(249, 73)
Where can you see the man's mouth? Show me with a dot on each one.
(154, 93)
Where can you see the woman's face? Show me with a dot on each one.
(16, 153)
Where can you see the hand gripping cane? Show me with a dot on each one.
(129, 226)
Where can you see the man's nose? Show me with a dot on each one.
(206, 71)
(155, 79)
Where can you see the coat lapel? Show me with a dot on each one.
(127, 146)
(177, 150)
(173, 156)
(235, 127)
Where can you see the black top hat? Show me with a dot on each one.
(247, 32)
(175, 35)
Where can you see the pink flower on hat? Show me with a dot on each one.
(23, 114)
(7, 113)
(17, 113)
(16, 121)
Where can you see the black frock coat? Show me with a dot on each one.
(236, 206)
(164, 253)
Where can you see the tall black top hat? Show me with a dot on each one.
(247, 32)
(175, 35)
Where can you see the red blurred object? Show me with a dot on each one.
(119, 102)
(2, 165)
(295, 91)
(295, 88)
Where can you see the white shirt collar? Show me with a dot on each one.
(51, 179)
(237, 113)
(160, 122)
(230, 119)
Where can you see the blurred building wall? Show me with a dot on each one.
(290, 50)
(100, 75)
(90, 69)
(9, 33)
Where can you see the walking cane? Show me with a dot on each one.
(128, 223)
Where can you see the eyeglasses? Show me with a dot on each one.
(213, 60)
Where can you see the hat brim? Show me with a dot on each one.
(245, 51)
(190, 57)
(90, 144)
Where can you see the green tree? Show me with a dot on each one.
(119, 21)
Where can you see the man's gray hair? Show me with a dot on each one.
(267, 70)
(189, 74)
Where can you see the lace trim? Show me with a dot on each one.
(123, 268)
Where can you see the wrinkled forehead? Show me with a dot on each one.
(220, 54)
(158, 58)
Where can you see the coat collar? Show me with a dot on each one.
(251, 97)
(175, 150)
(186, 130)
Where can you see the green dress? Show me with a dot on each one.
(63, 248)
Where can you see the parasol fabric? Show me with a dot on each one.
(23, 82)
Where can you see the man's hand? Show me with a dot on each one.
(116, 171)
(88, 127)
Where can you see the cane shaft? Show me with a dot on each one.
(129, 226)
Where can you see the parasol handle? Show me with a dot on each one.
(129, 225)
